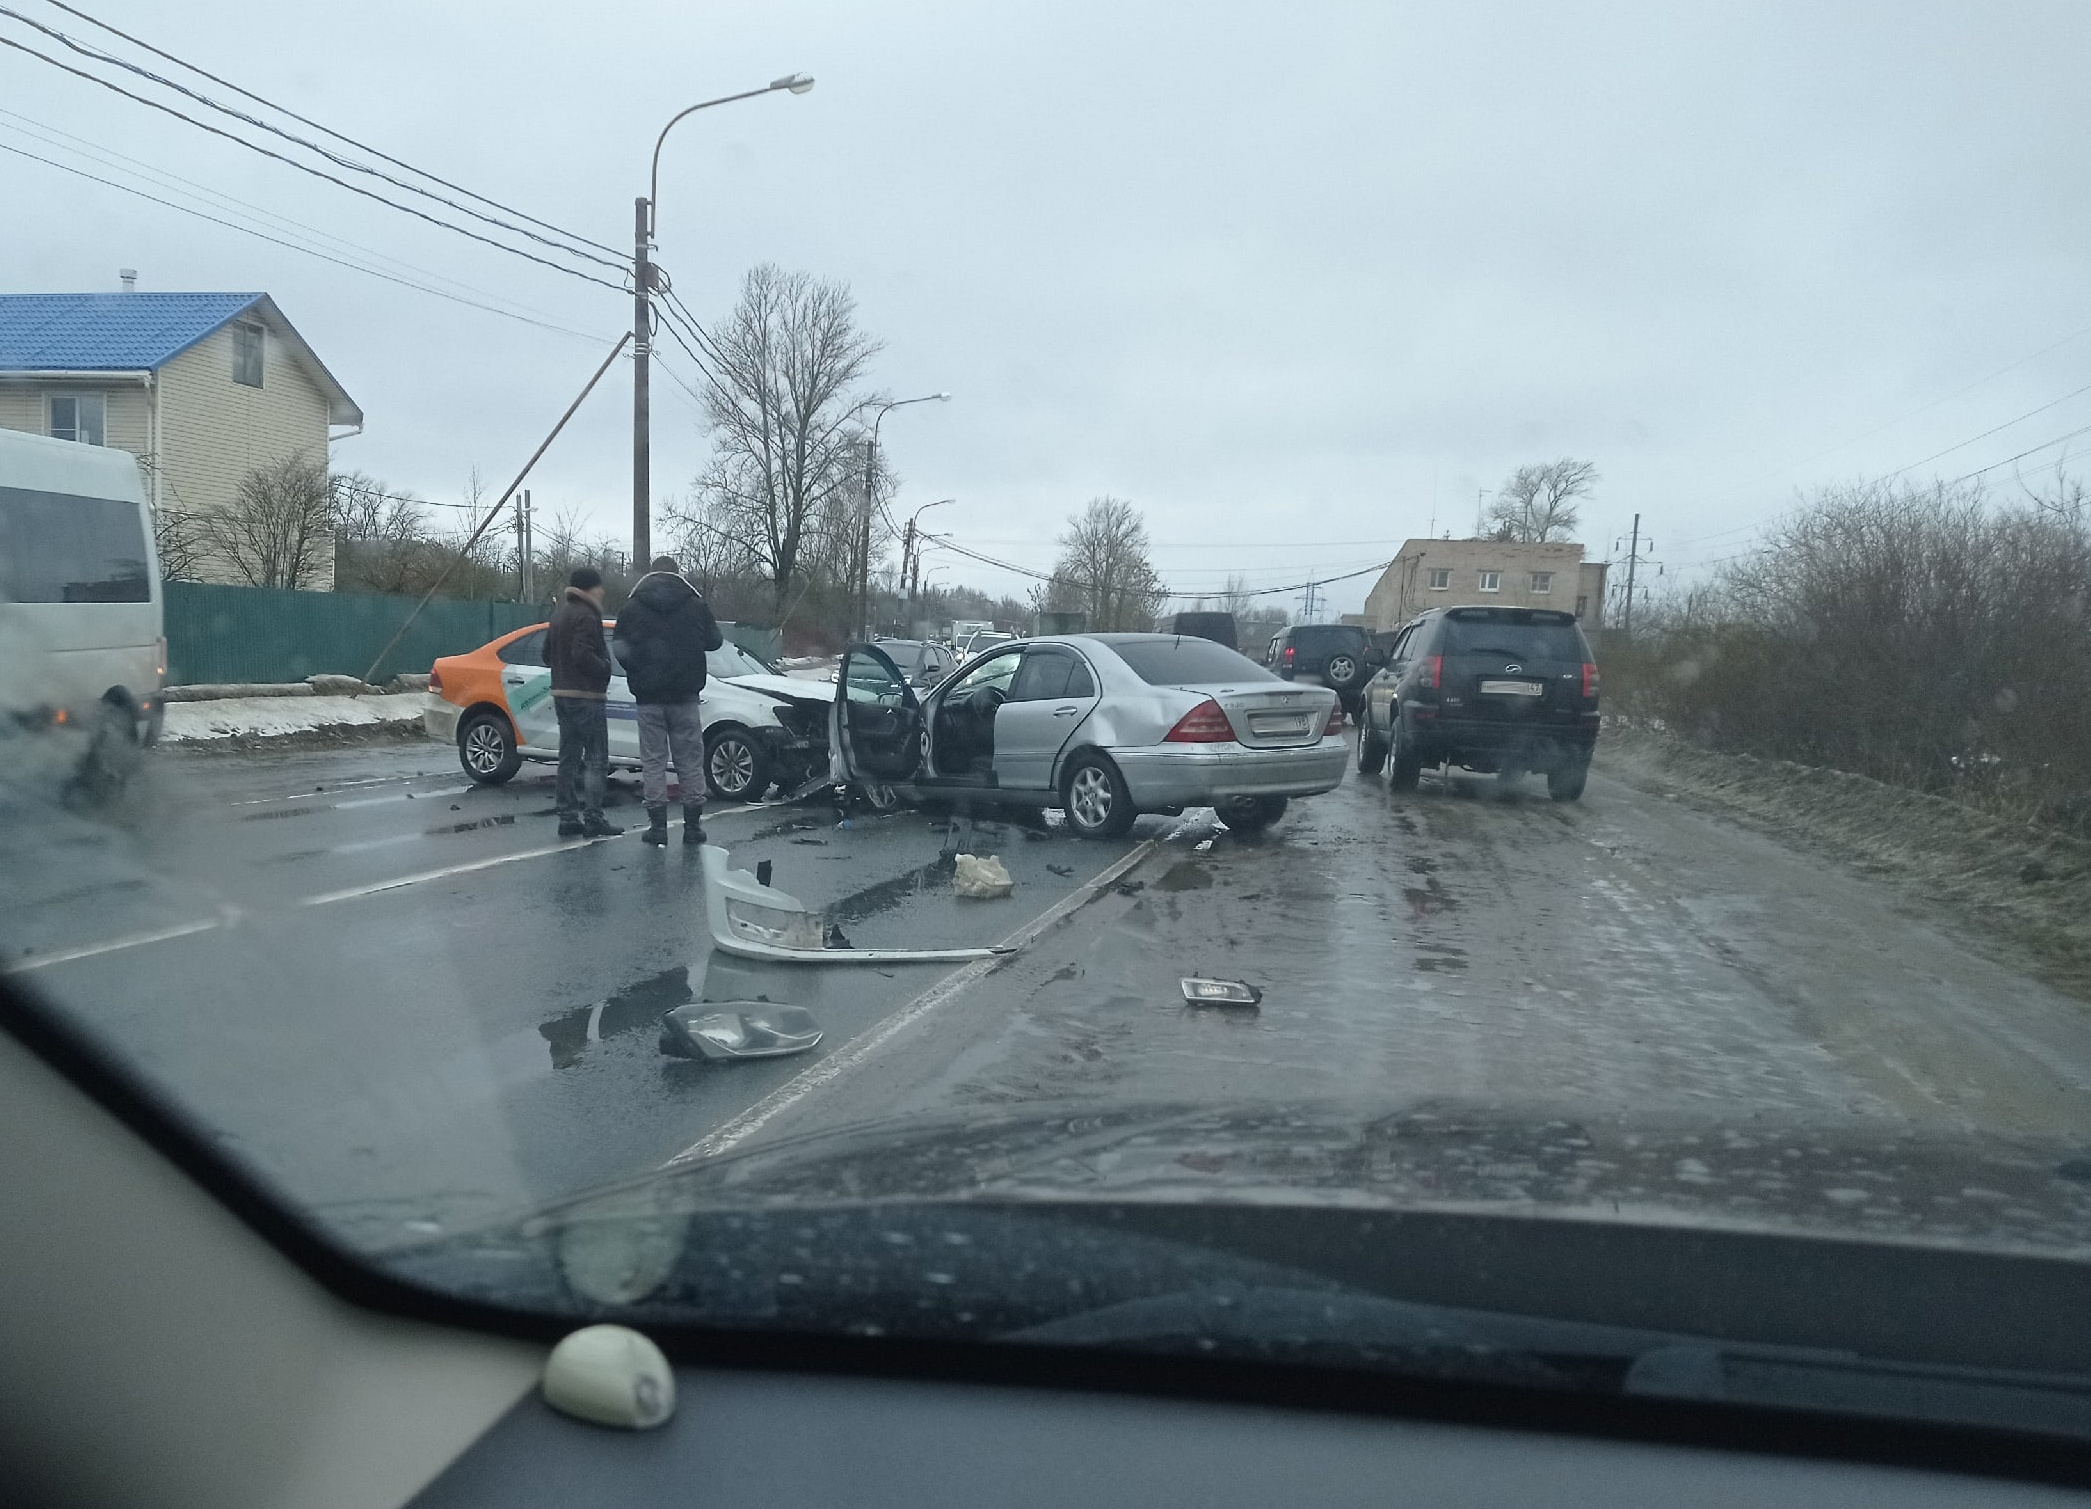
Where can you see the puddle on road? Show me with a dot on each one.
(1428, 899)
(888, 894)
(1185, 875)
(1439, 959)
(638, 1005)
(499, 820)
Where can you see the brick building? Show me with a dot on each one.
(1442, 573)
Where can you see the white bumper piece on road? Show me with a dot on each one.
(1204, 775)
(757, 921)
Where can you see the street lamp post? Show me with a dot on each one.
(871, 463)
(643, 220)
(911, 567)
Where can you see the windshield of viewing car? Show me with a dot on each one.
(1743, 892)
(1187, 661)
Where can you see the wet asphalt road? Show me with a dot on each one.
(406, 1002)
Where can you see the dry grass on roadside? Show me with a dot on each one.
(2018, 893)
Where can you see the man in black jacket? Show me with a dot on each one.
(580, 662)
(663, 631)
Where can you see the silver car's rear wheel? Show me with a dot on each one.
(1096, 799)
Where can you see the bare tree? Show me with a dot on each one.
(1538, 504)
(780, 395)
(382, 541)
(278, 531)
(1104, 570)
(178, 540)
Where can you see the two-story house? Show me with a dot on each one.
(1439, 573)
(203, 387)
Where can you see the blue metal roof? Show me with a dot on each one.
(108, 332)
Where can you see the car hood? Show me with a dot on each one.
(1846, 1180)
(1437, 1240)
(790, 688)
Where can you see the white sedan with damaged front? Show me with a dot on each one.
(1103, 726)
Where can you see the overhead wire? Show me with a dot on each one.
(294, 246)
(217, 199)
(330, 131)
(349, 164)
(256, 147)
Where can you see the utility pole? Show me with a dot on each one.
(642, 346)
(1633, 559)
(529, 549)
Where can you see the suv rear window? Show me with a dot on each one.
(1188, 662)
(1318, 639)
(1519, 635)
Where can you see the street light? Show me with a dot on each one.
(871, 462)
(911, 580)
(642, 316)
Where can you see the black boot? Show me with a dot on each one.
(656, 827)
(692, 823)
(569, 825)
(595, 825)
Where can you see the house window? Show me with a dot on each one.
(1491, 581)
(246, 355)
(1441, 579)
(1542, 581)
(78, 416)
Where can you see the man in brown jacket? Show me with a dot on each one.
(579, 656)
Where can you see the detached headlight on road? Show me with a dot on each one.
(1203, 992)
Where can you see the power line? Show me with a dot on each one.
(294, 246)
(252, 146)
(109, 157)
(2044, 445)
(315, 125)
(311, 146)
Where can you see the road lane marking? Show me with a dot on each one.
(399, 882)
(27, 963)
(818, 1076)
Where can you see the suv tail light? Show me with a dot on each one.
(1433, 673)
(1335, 724)
(1589, 680)
(1287, 656)
(435, 681)
(1204, 724)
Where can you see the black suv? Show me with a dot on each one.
(1337, 656)
(1491, 689)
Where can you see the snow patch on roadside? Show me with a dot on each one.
(279, 717)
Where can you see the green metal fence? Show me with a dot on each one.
(217, 633)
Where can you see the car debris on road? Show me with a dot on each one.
(718, 1031)
(982, 877)
(757, 921)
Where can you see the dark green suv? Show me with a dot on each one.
(1337, 656)
(1490, 689)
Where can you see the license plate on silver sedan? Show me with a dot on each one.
(1272, 725)
(1511, 688)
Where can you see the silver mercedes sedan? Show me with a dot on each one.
(1104, 726)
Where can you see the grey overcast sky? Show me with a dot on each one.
(1296, 279)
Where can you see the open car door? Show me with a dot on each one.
(875, 726)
